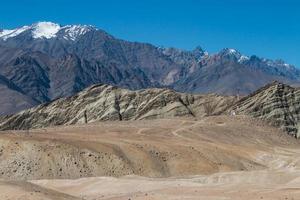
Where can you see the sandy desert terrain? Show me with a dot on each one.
(219, 157)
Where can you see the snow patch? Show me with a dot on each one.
(232, 51)
(243, 58)
(5, 34)
(45, 30)
(73, 32)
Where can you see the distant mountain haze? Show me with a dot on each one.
(45, 61)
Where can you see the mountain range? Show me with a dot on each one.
(45, 61)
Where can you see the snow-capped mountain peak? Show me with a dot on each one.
(234, 54)
(48, 30)
(232, 51)
(5, 34)
(45, 30)
(228, 51)
(243, 58)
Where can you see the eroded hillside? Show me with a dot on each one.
(105, 102)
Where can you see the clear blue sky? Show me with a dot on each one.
(268, 28)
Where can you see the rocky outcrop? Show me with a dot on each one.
(105, 102)
(276, 103)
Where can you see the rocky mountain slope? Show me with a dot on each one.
(12, 98)
(105, 102)
(229, 72)
(276, 103)
(47, 61)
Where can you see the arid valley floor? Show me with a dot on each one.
(210, 158)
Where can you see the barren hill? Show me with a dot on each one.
(276, 103)
(105, 102)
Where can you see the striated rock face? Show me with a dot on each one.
(105, 102)
(276, 103)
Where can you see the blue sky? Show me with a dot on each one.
(268, 28)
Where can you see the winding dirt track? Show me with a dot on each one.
(213, 158)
